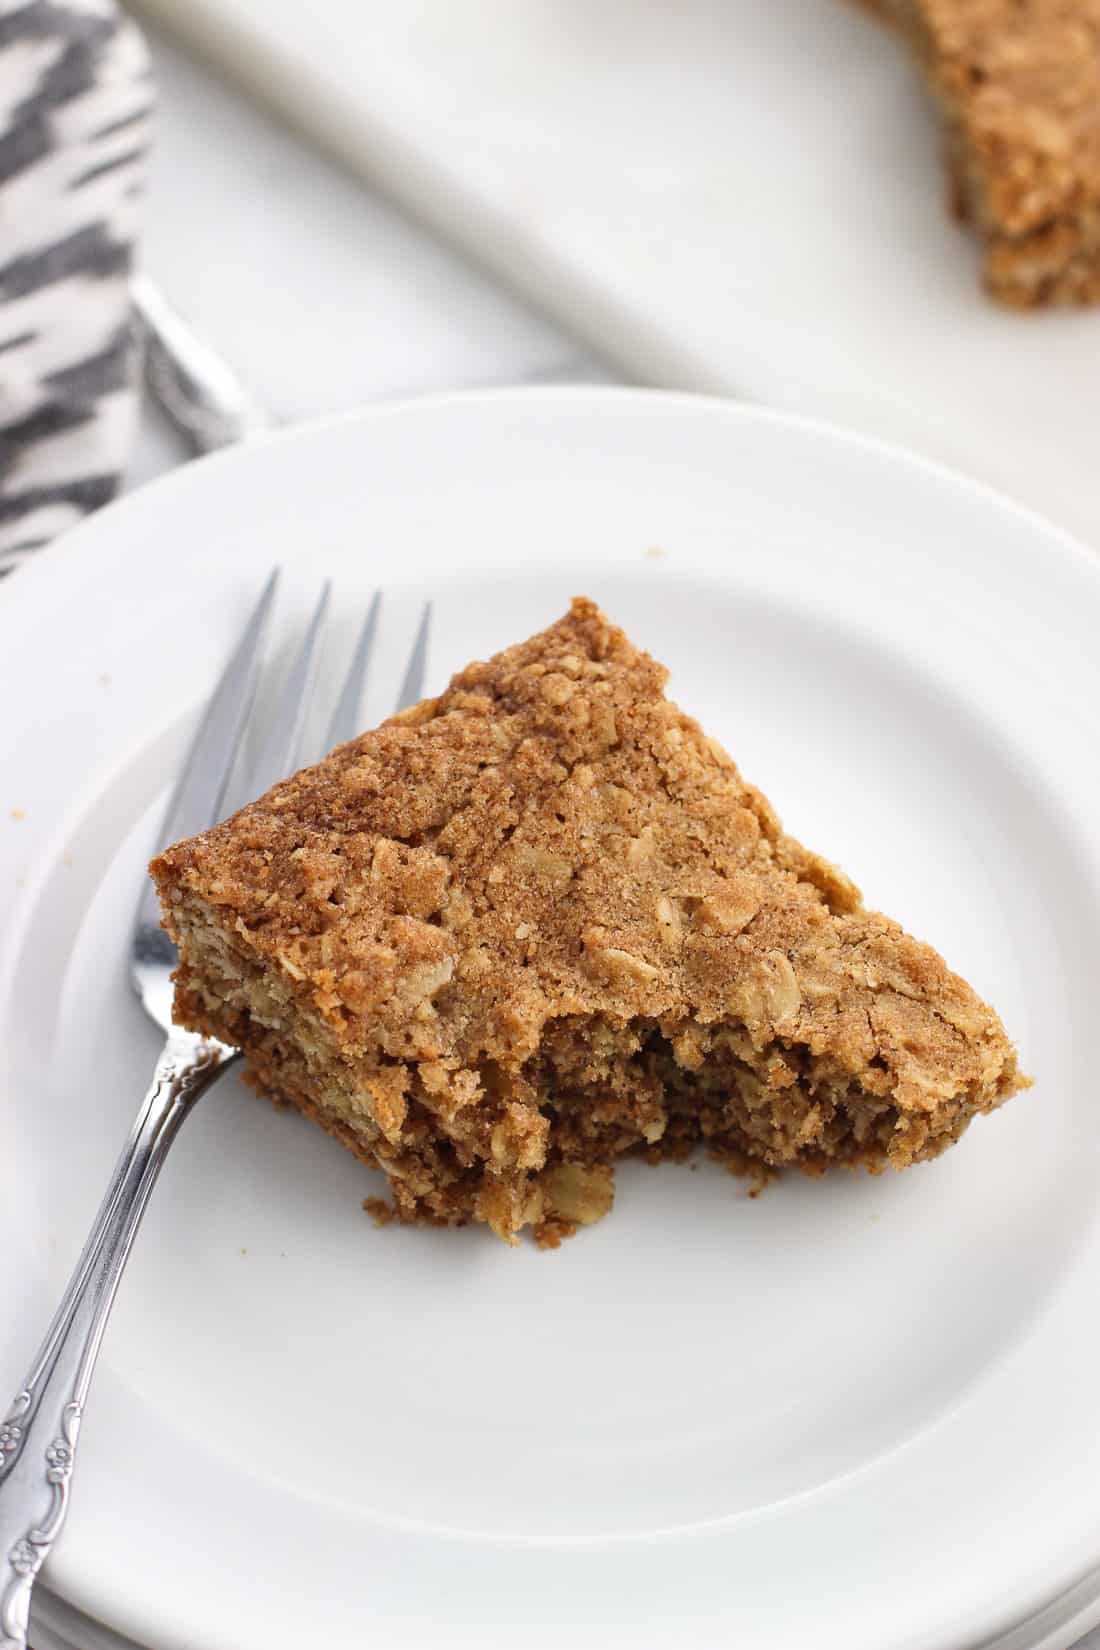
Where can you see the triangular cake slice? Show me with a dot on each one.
(541, 921)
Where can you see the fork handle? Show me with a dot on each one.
(38, 1436)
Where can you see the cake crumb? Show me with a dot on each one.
(380, 1211)
(758, 1173)
(18, 813)
(550, 1234)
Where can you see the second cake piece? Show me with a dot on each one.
(1017, 83)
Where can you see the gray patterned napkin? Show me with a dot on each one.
(75, 104)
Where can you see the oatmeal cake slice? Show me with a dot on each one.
(1018, 85)
(541, 921)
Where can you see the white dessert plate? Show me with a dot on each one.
(856, 1413)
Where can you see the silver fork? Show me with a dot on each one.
(38, 1437)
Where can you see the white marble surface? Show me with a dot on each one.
(319, 293)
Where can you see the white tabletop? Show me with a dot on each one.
(318, 292)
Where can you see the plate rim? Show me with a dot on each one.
(624, 395)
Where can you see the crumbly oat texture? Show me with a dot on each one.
(1018, 85)
(542, 921)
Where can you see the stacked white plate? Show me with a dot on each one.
(856, 1413)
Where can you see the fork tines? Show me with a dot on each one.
(199, 799)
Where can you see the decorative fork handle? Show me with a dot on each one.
(38, 1436)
